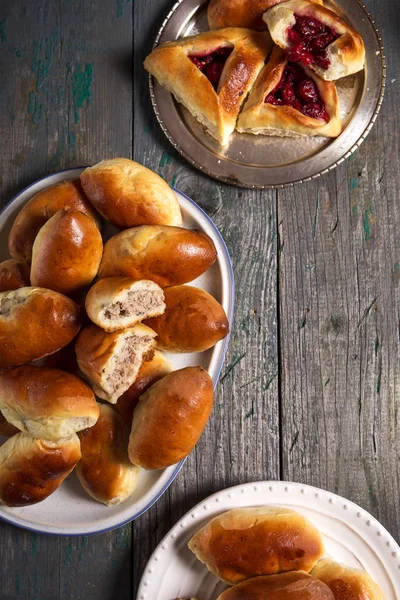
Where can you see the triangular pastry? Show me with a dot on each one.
(316, 37)
(240, 13)
(211, 74)
(291, 100)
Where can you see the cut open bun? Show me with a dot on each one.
(110, 361)
(116, 303)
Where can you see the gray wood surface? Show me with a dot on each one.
(339, 316)
(309, 389)
(66, 101)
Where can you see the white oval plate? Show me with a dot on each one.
(351, 536)
(70, 511)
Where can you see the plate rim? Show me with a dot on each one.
(291, 184)
(393, 548)
(230, 316)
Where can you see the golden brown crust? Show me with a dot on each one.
(217, 110)
(13, 274)
(240, 13)
(128, 194)
(170, 418)
(150, 372)
(35, 322)
(247, 542)
(32, 469)
(259, 116)
(295, 585)
(6, 429)
(346, 54)
(66, 253)
(193, 320)
(95, 349)
(165, 255)
(347, 583)
(104, 470)
(40, 209)
(46, 402)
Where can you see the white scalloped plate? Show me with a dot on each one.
(351, 536)
(70, 511)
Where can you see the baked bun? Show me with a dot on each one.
(291, 100)
(110, 361)
(32, 469)
(170, 418)
(264, 540)
(6, 429)
(211, 74)
(296, 585)
(128, 194)
(150, 372)
(119, 302)
(35, 322)
(166, 255)
(40, 209)
(64, 359)
(317, 37)
(66, 253)
(104, 470)
(14, 274)
(46, 403)
(347, 583)
(193, 320)
(240, 13)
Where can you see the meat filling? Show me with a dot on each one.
(128, 362)
(7, 303)
(138, 303)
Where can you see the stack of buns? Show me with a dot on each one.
(271, 553)
(84, 320)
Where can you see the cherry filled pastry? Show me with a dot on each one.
(309, 40)
(316, 37)
(290, 100)
(212, 64)
(211, 74)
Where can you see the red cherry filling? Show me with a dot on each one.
(299, 91)
(212, 64)
(309, 39)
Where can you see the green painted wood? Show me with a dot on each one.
(67, 102)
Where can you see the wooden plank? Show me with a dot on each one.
(339, 317)
(241, 441)
(67, 102)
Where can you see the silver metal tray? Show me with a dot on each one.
(265, 161)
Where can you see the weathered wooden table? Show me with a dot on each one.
(310, 387)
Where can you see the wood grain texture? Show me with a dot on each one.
(309, 389)
(67, 102)
(241, 441)
(339, 317)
